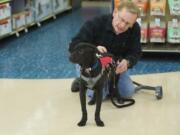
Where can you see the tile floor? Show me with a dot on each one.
(47, 107)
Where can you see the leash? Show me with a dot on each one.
(107, 61)
(121, 102)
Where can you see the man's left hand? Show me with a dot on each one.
(122, 66)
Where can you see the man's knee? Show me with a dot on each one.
(127, 93)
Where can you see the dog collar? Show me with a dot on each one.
(95, 65)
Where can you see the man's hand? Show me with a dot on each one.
(122, 66)
(102, 49)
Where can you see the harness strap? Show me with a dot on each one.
(91, 81)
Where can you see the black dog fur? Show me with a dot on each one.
(84, 54)
(85, 57)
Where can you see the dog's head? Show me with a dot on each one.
(83, 54)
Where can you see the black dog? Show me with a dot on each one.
(94, 73)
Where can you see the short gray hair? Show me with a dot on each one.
(130, 6)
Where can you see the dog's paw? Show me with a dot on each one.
(100, 123)
(81, 123)
(91, 102)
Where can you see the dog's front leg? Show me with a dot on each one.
(98, 120)
(82, 95)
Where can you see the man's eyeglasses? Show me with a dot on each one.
(126, 24)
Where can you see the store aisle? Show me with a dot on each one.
(43, 52)
(47, 107)
(35, 80)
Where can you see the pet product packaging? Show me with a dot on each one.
(43, 8)
(57, 6)
(5, 26)
(173, 32)
(65, 4)
(174, 7)
(157, 31)
(29, 17)
(144, 30)
(158, 7)
(18, 20)
(143, 6)
(117, 3)
(5, 10)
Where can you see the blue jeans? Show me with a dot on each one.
(125, 86)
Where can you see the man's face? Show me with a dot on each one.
(123, 20)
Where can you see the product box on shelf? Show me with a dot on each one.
(18, 20)
(5, 10)
(116, 3)
(5, 26)
(174, 7)
(143, 6)
(173, 31)
(65, 4)
(144, 30)
(57, 5)
(158, 7)
(157, 31)
(29, 17)
(42, 9)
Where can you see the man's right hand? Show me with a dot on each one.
(102, 49)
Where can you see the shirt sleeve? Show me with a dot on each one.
(135, 50)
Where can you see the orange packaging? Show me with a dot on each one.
(143, 6)
(117, 3)
(158, 7)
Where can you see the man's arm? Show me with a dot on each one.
(135, 50)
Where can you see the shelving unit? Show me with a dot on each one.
(19, 15)
(5, 17)
(160, 24)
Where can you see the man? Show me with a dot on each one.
(118, 34)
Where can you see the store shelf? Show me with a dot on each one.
(159, 28)
(17, 14)
(161, 48)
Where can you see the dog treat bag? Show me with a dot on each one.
(144, 30)
(157, 31)
(143, 6)
(117, 3)
(174, 7)
(173, 32)
(157, 7)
